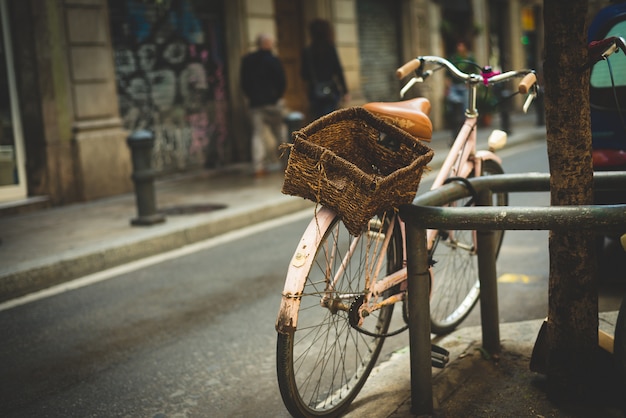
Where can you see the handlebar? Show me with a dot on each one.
(600, 50)
(415, 64)
(525, 85)
(528, 84)
(408, 68)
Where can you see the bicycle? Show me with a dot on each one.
(340, 289)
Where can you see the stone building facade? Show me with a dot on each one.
(82, 74)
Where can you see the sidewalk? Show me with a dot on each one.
(472, 385)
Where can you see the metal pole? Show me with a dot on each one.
(419, 321)
(489, 315)
(422, 214)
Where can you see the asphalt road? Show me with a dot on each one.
(194, 335)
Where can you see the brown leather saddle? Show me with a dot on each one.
(410, 115)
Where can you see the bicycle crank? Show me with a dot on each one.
(354, 317)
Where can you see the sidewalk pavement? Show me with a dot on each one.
(474, 385)
(52, 246)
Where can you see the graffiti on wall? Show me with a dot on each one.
(171, 80)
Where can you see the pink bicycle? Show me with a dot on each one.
(340, 290)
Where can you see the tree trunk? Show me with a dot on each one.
(572, 331)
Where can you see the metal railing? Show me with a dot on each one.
(425, 213)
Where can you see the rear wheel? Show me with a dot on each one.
(455, 284)
(323, 364)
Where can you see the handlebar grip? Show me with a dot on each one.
(407, 68)
(527, 82)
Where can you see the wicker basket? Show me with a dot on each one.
(356, 164)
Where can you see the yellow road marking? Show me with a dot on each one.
(517, 278)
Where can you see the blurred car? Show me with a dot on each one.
(607, 97)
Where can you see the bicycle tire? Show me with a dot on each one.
(323, 364)
(455, 287)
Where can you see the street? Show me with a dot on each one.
(194, 335)
(190, 337)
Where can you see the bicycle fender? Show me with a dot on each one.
(299, 266)
(485, 155)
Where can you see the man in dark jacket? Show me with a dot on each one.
(263, 82)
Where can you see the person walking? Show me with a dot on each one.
(322, 70)
(263, 82)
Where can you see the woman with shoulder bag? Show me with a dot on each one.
(322, 70)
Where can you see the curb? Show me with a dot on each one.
(48, 272)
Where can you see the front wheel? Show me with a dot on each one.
(324, 362)
(453, 254)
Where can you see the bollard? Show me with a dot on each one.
(294, 121)
(141, 143)
(504, 109)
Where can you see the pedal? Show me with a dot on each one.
(439, 356)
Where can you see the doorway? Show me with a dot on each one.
(290, 41)
(12, 174)
(379, 38)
